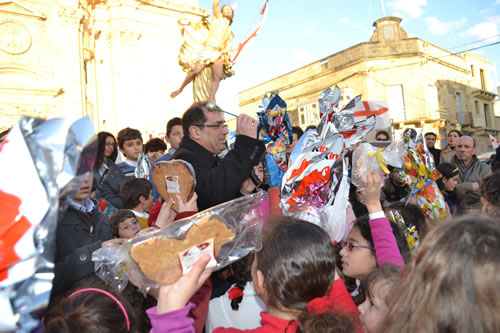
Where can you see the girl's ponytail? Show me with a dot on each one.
(236, 295)
(241, 271)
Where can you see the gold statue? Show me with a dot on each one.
(205, 53)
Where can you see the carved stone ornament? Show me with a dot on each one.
(14, 37)
(71, 16)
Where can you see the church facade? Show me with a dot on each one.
(112, 60)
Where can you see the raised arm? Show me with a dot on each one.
(216, 9)
(386, 247)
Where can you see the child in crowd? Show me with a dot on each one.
(106, 156)
(81, 231)
(93, 306)
(155, 145)
(412, 215)
(253, 182)
(378, 287)
(104, 166)
(136, 195)
(175, 133)
(490, 196)
(447, 184)
(373, 241)
(240, 306)
(124, 224)
(452, 284)
(295, 276)
(130, 143)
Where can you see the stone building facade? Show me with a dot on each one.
(426, 87)
(112, 60)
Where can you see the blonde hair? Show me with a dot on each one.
(452, 284)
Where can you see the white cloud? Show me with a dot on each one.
(346, 20)
(438, 27)
(411, 8)
(484, 30)
(310, 30)
(497, 2)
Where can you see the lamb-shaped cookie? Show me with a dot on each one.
(158, 258)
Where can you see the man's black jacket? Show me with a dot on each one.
(219, 180)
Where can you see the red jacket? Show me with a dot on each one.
(338, 296)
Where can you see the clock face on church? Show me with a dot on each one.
(14, 37)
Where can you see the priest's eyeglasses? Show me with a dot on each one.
(218, 125)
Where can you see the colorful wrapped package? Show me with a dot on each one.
(316, 186)
(275, 130)
(51, 158)
(410, 231)
(308, 181)
(421, 176)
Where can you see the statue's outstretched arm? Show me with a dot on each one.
(216, 9)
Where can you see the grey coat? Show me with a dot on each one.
(474, 172)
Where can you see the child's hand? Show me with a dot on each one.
(189, 206)
(175, 296)
(371, 195)
(166, 214)
(247, 187)
(113, 241)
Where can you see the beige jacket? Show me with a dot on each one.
(446, 155)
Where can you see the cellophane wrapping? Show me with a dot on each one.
(369, 158)
(244, 216)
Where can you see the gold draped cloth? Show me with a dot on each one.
(204, 43)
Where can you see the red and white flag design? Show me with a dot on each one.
(494, 142)
(364, 109)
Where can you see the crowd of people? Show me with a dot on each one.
(396, 269)
(300, 281)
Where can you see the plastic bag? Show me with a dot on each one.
(367, 157)
(143, 166)
(243, 216)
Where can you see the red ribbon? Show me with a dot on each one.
(235, 292)
(253, 34)
(320, 305)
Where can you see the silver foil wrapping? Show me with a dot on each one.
(47, 160)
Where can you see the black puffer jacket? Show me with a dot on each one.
(219, 180)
